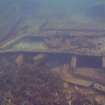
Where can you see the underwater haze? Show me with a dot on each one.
(17, 16)
(52, 52)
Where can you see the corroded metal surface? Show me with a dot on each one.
(59, 42)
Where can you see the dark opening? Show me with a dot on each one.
(89, 61)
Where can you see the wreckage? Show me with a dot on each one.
(83, 75)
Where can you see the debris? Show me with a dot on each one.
(19, 60)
